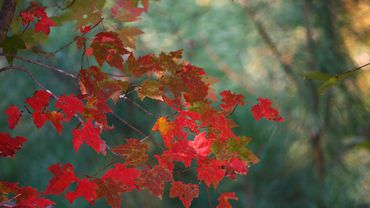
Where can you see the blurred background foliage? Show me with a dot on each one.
(318, 157)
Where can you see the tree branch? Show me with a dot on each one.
(46, 66)
(270, 43)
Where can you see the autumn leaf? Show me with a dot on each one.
(43, 23)
(181, 151)
(150, 88)
(202, 145)
(24, 197)
(90, 135)
(128, 36)
(154, 179)
(9, 146)
(134, 151)
(166, 129)
(107, 47)
(39, 100)
(223, 200)
(263, 109)
(210, 171)
(85, 188)
(14, 114)
(185, 192)
(70, 105)
(128, 10)
(126, 177)
(63, 177)
(110, 190)
(230, 100)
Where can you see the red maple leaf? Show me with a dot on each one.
(185, 192)
(85, 188)
(223, 200)
(63, 177)
(182, 151)
(70, 105)
(264, 109)
(134, 151)
(126, 177)
(14, 114)
(202, 145)
(154, 179)
(230, 100)
(235, 166)
(9, 146)
(43, 21)
(24, 197)
(39, 100)
(90, 135)
(210, 171)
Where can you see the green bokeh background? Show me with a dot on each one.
(230, 40)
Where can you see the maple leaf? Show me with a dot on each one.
(235, 166)
(182, 151)
(110, 190)
(43, 21)
(134, 152)
(90, 135)
(70, 105)
(264, 109)
(85, 188)
(154, 179)
(63, 177)
(107, 47)
(9, 146)
(210, 171)
(126, 177)
(185, 192)
(14, 114)
(150, 88)
(202, 145)
(166, 129)
(55, 118)
(230, 100)
(234, 147)
(186, 119)
(218, 123)
(128, 36)
(128, 10)
(223, 200)
(39, 100)
(95, 83)
(26, 197)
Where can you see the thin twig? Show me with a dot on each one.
(72, 41)
(128, 124)
(46, 66)
(138, 106)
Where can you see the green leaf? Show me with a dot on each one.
(317, 75)
(11, 45)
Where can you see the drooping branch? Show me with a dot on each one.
(269, 42)
(6, 16)
(45, 66)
